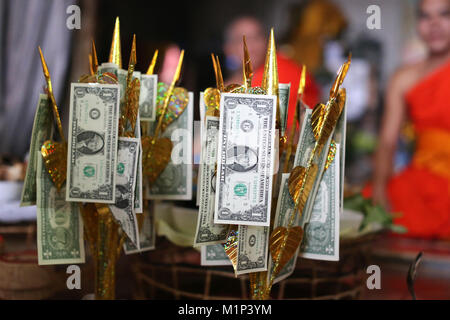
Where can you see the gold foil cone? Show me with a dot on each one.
(270, 75)
(94, 58)
(247, 69)
(115, 53)
(151, 67)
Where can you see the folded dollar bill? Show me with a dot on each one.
(42, 131)
(59, 224)
(253, 246)
(284, 90)
(147, 97)
(147, 234)
(207, 231)
(123, 208)
(321, 232)
(214, 255)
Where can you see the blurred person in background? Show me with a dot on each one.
(419, 196)
(256, 36)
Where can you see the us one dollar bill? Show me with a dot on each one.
(42, 131)
(285, 208)
(59, 224)
(284, 90)
(304, 148)
(321, 234)
(147, 97)
(92, 150)
(175, 182)
(123, 209)
(253, 243)
(214, 255)
(147, 234)
(207, 231)
(245, 159)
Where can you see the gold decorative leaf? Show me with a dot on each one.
(324, 119)
(211, 98)
(283, 243)
(132, 103)
(55, 160)
(231, 245)
(156, 156)
(178, 102)
(341, 99)
(300, 184)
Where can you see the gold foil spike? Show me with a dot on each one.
(91, 67)
(51, 96)
(215, 69)
(270, 75)
(55, 160)
(151, 67)
(176, 77)
(131, 95)
(247, 69)
(132, 102)
(302, 82)
(115, 53)
(94, 58)
(283, 244)
(132, 62)
(290, 139)
(157, 151)
(231, 246)
(220, 85)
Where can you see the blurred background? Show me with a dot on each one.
(317, 33)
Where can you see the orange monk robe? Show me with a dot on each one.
(421, 192)
(289, 72)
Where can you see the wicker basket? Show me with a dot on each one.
(170, 272)
(22, 278)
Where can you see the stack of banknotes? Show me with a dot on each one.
(235, 184)
(103, 167)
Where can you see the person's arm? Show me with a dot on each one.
(393, 117)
